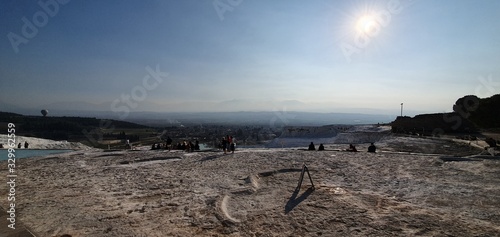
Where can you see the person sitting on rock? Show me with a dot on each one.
(311, 147)
(321, 147)
(372, 148)
(352, 148)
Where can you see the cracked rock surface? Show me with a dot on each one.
(253, 193)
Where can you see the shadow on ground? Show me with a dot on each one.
(294, 200)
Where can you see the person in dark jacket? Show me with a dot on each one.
(372, 148)
(352, 148)
(321, 147)
(311, 147)
(224, 145)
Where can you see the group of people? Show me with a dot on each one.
(228, 143)
(184, 146)
(187, 146)
(19, 146)
(371, 148)
(313, 148)
(352, 148)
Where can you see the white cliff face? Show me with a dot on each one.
(332, 131)
(40, 143)
(301, 136)
(311, 132)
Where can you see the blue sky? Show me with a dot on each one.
(260, 55)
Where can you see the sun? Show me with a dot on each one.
(365, 24)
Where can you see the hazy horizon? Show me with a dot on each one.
(77, 107)
(220, 56)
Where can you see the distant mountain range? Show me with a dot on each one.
(254, 111)
(272, 119)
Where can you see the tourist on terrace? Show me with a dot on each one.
(372, 148)
(321, 147)
(311, 147)
(352, 148)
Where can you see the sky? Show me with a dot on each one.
(236, 55)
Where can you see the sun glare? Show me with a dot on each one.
(365, 23)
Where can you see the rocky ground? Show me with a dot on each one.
(253, 193)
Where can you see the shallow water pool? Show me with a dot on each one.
(26, 153)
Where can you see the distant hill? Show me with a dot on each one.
(432, 124)
(484, 113)
(276, 119)
(310, 132)
(60, 128)
(471, 114)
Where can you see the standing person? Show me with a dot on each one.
(19, 146)
(191, 146)
(184, 145)
(196, 145)
(228, 140)
(26, 144)
(233, 147)
(169, 143)
(224, 145)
